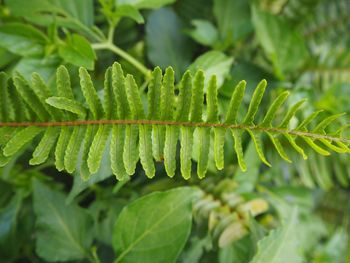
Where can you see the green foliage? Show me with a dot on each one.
(159, 136)
(177, 51)
(280, 244)
(64, 232)
(164, 89)
(171, 212)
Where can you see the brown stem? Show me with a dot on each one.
(175, 123)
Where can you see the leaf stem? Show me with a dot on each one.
(111, 47)
(94, 256)
(177, 123)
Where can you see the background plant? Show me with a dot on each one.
(294, 212)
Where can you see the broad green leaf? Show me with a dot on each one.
(171, 138)
(69, 105)
(233, 19)
(97, 148)
(20, 139)
(77, 15)
(46, 66)
(213, 63)
(129, 11)
(282, 44)
(163, 26)
(240, 251)
(139, 240)
(22, 39)
(6, 57)
(47, 142)
(145, 148)
(204, 32)
(152, 4)
(9, 242)
(64, 232)
(77, 51)
(90, 94)
(281, 244)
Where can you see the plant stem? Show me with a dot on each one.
(120, 184)
(123, 54)
(95, 258)
(309, 134)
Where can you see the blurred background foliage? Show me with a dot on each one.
(301, 45)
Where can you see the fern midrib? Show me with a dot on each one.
(176, 123)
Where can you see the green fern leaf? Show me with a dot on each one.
(235, 102)
(255, 102)
(69, 105)
(45, 146)
(97, 148)
(73, 148)
(80, 134)
(131, 153)
(116, 151)
(60, 150)
(90, 134)
(90, 94)
(5, 103)
(30, 97)
(21, 138)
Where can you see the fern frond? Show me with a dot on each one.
(78, 132)
(329, 20)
